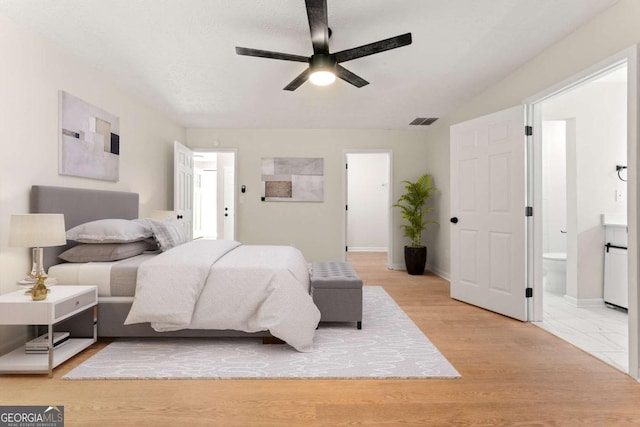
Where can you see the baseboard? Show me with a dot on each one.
(399, 267)
(437, 272)
(443, 274)
(585, 302)
(366, 249)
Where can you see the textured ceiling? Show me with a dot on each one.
(179, 55)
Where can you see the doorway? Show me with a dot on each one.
(584, 216)
(368, 203)
(214, 195)
(470, 136)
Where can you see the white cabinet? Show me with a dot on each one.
(62, 302)
(615, 290)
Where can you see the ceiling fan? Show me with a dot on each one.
(324, 66)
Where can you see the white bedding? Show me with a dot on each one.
(217, 284)
(99, 274)
(84, 273)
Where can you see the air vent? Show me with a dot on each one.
(423, 121)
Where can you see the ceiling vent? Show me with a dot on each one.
(422, 121)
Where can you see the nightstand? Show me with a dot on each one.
(62, 302)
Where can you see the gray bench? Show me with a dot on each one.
(337, 292)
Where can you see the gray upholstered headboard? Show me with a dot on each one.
(80, 205)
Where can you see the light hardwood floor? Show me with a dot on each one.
(513, 373)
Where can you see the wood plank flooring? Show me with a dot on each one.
(513, 373)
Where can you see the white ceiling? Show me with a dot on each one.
(179, 55)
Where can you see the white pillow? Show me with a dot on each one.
(109, 231)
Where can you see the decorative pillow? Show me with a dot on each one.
(107, 251)
(109, 231)
(168, 233)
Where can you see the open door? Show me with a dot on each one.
(488, 230)
(183, 186)
(229, 201)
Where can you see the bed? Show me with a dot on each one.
(175, 296)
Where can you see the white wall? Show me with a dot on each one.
(317, 229)
(32, 72)
(600, 113)
(554, 186)
(614, 30)
(368, 201)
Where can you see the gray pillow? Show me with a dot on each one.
(104, 252)
(109, 231)
(168, 233)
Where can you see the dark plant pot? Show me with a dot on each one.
(415, 259)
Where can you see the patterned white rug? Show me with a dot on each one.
(389, 345)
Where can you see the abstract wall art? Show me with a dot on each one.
(292, 179)
(89, 140)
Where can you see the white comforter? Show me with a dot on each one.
(218, 284)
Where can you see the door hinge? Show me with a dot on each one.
(528, 130)
(346, 207)
(528, 292)
(528, 211)
(346, 165)
(346, 248)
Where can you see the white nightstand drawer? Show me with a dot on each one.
(76, 303)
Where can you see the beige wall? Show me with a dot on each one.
(609, 33)
(32, 72)
(317, 229)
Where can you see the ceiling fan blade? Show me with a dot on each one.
(297, 82)
(268, 54)
(349, 77)
(318, 25)
(371, 48)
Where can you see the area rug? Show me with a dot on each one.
(389, 345)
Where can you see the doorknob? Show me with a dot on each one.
(179, 216)
(226, 214)
(454, 220)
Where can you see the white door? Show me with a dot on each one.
(229, 201)
(367, 191)
(488, 229)
(198, 203)
(183, 186)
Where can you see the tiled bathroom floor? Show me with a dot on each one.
(600, 331)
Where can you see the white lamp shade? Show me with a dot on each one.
(37, 230)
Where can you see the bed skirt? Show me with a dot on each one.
(111, 316)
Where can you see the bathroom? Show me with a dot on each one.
(584, 151)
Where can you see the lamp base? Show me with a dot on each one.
(39, 290)
(37, 268)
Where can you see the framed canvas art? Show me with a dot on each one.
(292, 179)
(89, 140)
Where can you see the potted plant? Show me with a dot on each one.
(413, 209)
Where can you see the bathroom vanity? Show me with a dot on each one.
(615, 260)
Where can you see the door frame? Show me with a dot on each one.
(345, 198)
(629, 56)
(233, 151)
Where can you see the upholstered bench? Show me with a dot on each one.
(337, 292)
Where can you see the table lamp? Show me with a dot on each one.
(37, 231)
(162, 214)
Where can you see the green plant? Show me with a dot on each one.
(413, 210)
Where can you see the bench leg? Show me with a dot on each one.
(360, 324)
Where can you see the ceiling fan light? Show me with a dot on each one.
(322, 78)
